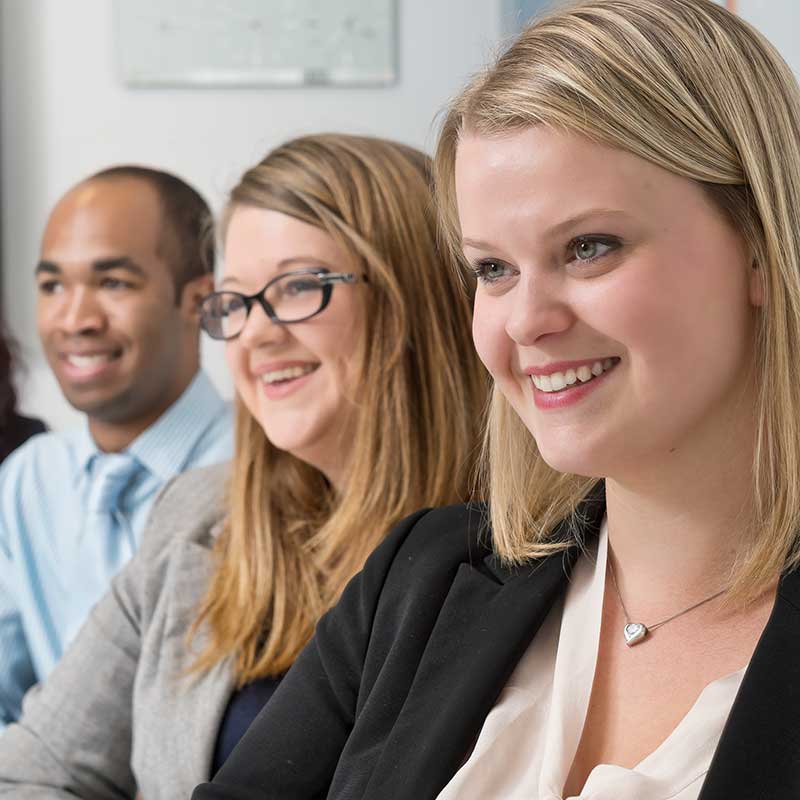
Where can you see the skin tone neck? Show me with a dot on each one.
(678, 522)
(113, 437)
(674, 529)
(334, 469)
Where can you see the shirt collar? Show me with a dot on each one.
(85, 450)
(166, 446)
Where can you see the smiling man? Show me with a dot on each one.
(125, 259)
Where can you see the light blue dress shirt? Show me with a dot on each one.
(54, 566)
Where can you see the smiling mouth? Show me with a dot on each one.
(91, 361)
(560, 381)
(288, 374)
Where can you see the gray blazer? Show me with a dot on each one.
(117, 713)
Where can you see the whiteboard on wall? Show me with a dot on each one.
(256, 42)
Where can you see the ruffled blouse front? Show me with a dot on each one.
(528, 741)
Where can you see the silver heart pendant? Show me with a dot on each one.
(634, 633)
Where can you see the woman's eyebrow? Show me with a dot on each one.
(294, 261)
(582, 217)
(553, 230)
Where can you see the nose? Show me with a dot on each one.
(259, 330)
(82, 313)
(539, 308)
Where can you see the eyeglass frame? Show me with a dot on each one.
(330, 279)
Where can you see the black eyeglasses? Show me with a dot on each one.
(291, 297)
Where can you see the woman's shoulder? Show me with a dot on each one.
(447, 535)
(429, 547)
(190, 507)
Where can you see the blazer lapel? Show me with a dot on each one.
(178, 715)
(488, 619)
(200, 700)
(759, 753)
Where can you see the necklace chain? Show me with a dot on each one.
(649, 628)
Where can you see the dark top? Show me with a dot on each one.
(242, 709)
(390, 695)
(16, 431)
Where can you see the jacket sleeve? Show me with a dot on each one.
(292, 748)
(75, 735)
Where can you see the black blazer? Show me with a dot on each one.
(387, 700)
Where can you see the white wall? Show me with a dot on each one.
(778, 20)
(65, 115)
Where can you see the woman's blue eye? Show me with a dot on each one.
(588, 248)
(299, 286)
(489, 271)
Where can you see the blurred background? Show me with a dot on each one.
(66, 111)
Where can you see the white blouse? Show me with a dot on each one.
(529, 739)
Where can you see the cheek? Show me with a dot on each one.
(140, 319)
(47, 313)
(236, 358)
(42, 328)
(492, 343)
(688, 330)
(338, 340)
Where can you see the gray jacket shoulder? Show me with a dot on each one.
(190, 507)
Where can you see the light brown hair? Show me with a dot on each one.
(695, 90)
(290, 542)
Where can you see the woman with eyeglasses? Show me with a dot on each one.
(623, 184)
(358, 401)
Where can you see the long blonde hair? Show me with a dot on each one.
(695, 90)
(290, 542)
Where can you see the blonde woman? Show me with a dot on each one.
(358, 400)
(624, 183)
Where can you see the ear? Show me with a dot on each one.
(756, 279)
(192, 293)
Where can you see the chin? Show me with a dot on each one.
(565, 457)
(93, 404)
(299, 444)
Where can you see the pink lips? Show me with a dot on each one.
(277, 391)
(571, 394)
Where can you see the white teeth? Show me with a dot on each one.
(287, 374)
(86, 362)
(560, 380)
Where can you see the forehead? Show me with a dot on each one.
(101, 219)
(542, 175)
(261, 242)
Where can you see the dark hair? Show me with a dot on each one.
(188, 222)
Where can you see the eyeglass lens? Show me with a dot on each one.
(292, 298)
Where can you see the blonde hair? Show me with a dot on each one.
(695, 90)
(290, 543)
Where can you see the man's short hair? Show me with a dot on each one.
(187, 235)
